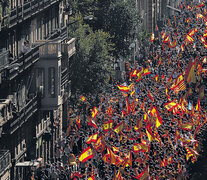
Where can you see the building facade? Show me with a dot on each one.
(34, 88)
(155, 12)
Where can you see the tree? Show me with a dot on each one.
(119, 18)
(92, 62)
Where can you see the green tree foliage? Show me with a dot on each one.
(91, 64)
(120, 18)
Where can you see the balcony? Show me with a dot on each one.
(25, 11)
(5, 111)
(5, 161)
(69, 48)
(4, 58)
(20, 64)
(23, 114)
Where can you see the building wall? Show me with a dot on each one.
(153, 12)
(32, 136)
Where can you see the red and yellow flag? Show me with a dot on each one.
(119, 127)
(190, 73)
(92, 138)
(166, 39)
(123, 88)
(86, 155)
(144, 174)
(189, 39)
(152, 37)
(82, 98)
(78, 122)
(179, 84)
(187, 126)
(108, 125)
(147, 71)
(94, 112)
(198, 106)
(149, 133)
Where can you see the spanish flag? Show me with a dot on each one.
(115, 149)
(139, 74)
(82, 98)
(152, 37)
(191, 153)
(119, 127)
(188, 7)
(182, 47)
(190, 73)
(94, 112)
(109, 110)
(189, 39)
(203, 39)
(199, 16)
(198, 106)
(154, 112)
(108, 125)
(98, 143)
(92, 138)
(92, 123)
(147, 71)
(187, 126)
(123, 88)
(163, 35)
(204, 60)
(86, 155)
(192, 32)
(150, 96)
(166, 39)
(201, 4)
(188, 20)
(144, 174)
(149, 133)
(91, 178)
(156, 77)
(78, 122)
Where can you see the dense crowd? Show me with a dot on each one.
(147, 127)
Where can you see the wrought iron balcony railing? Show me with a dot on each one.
(25, 11)
(5, 160)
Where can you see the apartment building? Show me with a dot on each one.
(34, 88)
(155, 12)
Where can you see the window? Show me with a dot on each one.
(51, 81)
(40, 81)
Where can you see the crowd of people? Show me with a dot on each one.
(149, 126)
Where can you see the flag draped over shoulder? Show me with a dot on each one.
(86, 155)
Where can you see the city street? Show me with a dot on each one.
(152, 125)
